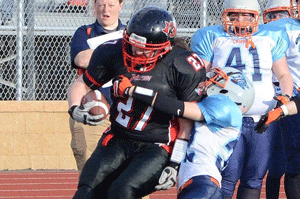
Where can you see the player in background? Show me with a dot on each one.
(218, 121)
(288, 126)
(132, 154)
(274, 10)
(85, 137)
(258, 51)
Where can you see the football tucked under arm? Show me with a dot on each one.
(94, 108)
(100, 103)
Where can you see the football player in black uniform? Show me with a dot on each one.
(132, 154)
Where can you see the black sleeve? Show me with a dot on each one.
(190, 73)
(159, 101)
(169, 105)
(102, 66)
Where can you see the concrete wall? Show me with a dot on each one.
(35, 135)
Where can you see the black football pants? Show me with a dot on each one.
(123, 169)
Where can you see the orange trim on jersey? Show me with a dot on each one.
(185, 185)
(80, 71)
(173, 134)
(107, 139)
(88, 31)
(92, 79)
(215, 181)
(167, 148)
(107, 129)
(190, 181)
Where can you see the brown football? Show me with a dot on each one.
(102, 106)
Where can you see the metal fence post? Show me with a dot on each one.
(204, 13)
(19, 50)
(30, 49)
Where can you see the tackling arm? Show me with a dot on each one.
(190, 110)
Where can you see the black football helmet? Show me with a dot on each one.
(151, 29)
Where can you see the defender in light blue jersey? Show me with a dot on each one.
(289, 126)
(213, 138)
(258, 51)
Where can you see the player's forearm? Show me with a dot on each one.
(76, 91)
(286, 84)
(82, 59)
(192, 111)
(180, 146)
(185, 129)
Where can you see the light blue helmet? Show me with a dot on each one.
(240, 28)
(232, 83)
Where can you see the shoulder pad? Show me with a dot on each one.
(187, 61)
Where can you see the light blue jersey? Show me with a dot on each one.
(211, 142)
(292, 27)
(221, 49)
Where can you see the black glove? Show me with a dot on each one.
(266, 120)
(282, 99)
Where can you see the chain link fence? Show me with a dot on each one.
(35, 37)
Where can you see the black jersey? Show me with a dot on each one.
(177, 75)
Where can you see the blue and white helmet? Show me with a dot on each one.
(240, 28)
(232, 83)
